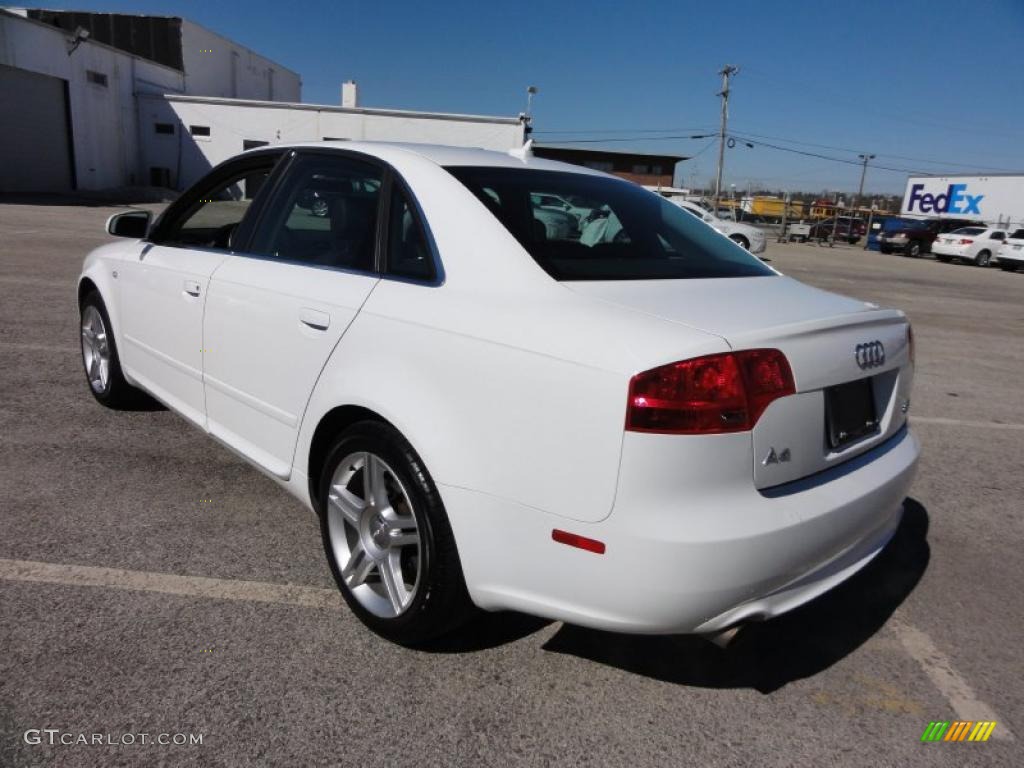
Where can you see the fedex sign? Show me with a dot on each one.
(953, 200)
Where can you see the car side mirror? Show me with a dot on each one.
(133, 224)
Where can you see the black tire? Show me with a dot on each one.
(741, 241)
(118, 393)
(982, 259)
(1008, 266)
(885, 250)
(913, 249)
(441, 602)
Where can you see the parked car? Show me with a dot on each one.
(654, 432)
(915, 238)
(848, 229)
(749, 237)
(976, 245)
(1011, 253)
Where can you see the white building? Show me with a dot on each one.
(184, 136)
(69, 83)
(99, 100)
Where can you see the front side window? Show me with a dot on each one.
(324, 215)
(616, 230)
(214, 215)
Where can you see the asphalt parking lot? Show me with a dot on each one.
(151, 582)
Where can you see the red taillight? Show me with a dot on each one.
(965, 241)
(711, 394)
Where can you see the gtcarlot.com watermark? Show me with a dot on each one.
(57, 737)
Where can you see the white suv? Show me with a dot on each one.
(749, 237)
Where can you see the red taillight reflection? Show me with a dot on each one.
(711, 394)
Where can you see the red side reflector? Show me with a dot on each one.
(575, 540)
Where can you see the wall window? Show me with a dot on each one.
(97, 78)
(641, 168)
(165, 129)
(656, 170)
(599, 165)
(199, 130)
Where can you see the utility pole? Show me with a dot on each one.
(727, 71)
(863, 173)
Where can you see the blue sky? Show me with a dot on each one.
(939, 82)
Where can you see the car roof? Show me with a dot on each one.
(447, 156)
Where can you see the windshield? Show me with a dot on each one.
(615, 230)
(1018, 235)
(968, 231)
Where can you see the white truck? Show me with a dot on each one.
(996, 199)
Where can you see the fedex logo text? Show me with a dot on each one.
(953, 200)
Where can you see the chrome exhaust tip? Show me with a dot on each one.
(725, 637)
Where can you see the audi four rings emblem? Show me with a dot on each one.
(870, 354)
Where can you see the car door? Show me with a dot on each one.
(163, 288)
(275, 313)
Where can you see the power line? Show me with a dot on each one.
(673, 135)
(880, 154)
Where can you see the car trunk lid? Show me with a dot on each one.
(829, 341)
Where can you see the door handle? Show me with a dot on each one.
(192, 287)
(315, 319)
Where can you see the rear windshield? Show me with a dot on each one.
(582, 227)
(968, 231)
(1018, 235)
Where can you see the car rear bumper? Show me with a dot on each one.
(953, 251)
(694, 552)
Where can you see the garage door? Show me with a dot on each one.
(34, 150)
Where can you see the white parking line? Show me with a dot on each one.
(935, 664)
(939, 669)
(963, 423)
(168, 583)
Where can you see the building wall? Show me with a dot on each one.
(104, 135)
(216, 66)
(230, 125)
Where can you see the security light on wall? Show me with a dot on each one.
(80, 36)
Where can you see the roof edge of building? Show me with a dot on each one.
(331, 108)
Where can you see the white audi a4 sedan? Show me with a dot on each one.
(644, 429)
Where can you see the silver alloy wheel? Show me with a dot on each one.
(374, 535)
(95, 349)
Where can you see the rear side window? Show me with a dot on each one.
(408, 254)
(579, 226)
